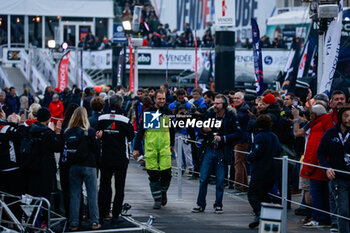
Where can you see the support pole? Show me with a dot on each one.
(179, 168)
(224, 61)
(320, 60)
(136, 70)
(284, 193)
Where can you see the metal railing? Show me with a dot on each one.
(32, 207)
(284, 192)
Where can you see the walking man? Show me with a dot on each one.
(159, 145)
(219, 144)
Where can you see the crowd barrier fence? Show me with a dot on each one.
(284, 195)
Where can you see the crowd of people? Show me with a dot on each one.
(157, 34)
(98, 129)
(92, 42)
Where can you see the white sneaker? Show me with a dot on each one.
(140, 158)
(312, 224)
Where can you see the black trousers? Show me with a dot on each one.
(105, 192)
(64, 179)
(258, 193)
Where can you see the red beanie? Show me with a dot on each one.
(269, 99)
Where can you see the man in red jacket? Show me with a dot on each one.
(318, 178)
(56, 109)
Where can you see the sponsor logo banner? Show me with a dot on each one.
(63, 72)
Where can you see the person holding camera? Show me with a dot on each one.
(218, 145)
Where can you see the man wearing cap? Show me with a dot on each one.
(41, 178)
(318, 179)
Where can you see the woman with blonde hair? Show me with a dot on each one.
(81, 150)
(33, 109)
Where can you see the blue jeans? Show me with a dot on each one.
(78, 175)
(211, 159)
(341, 193)
(320, 200)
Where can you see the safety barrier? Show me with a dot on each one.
(32, 207)
(284, 195)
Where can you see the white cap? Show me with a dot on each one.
(318, 109)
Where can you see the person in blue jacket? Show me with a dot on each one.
(334, 153)
(263, 169)
(180, 100)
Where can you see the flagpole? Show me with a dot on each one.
(131, 72)
(81, 71)
(195, 51)
(167, 59)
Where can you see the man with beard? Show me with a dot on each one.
(336, 102)
(218, 145)
(159, 145)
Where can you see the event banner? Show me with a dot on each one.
(331, 52)
(258, 67)
(63, 72)
(224, 13)
(199, 13)
(274, 60)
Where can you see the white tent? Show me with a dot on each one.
(290, 17)
(70, 8)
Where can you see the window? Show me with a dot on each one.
(101, 28)
(51, 29)
(17, 30)
(35, 30)
(3, 29)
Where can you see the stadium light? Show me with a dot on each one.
(127, 25)
(51, 44)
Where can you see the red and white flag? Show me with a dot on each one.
(63, 72)
(131, 73)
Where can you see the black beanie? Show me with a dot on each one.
(43, 115)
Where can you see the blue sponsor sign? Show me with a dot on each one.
(118, 33)
(268, 60)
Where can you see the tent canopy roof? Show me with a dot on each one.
(290, 17)
(69, 8)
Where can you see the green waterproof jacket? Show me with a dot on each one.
(158, 139)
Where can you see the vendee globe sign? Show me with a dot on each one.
(225, 13)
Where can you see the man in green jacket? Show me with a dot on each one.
(159, 145)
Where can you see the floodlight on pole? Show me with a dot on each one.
(127, 25)
(64, 45)
(51, 44)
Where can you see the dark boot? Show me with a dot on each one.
(255, 223)
(164, 198)
(157, 205)
(156, 191)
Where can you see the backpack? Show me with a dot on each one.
(76, 146)
(31, 153)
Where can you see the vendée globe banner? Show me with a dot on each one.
(331, 52)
